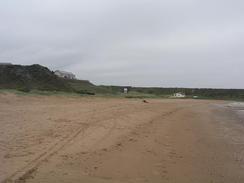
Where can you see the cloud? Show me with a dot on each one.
(185, 43)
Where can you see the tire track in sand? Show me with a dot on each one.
(26, 171)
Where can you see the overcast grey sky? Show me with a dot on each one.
(166, 43)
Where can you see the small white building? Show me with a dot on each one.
(179, 95)
(126, 90)
(64, 74)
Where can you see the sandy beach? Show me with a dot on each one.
(96, 140)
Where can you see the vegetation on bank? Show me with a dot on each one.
(36, 79)
(198, 93)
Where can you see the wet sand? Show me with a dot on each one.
(95, 140)
(238, 108)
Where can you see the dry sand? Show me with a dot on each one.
(97, 140)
